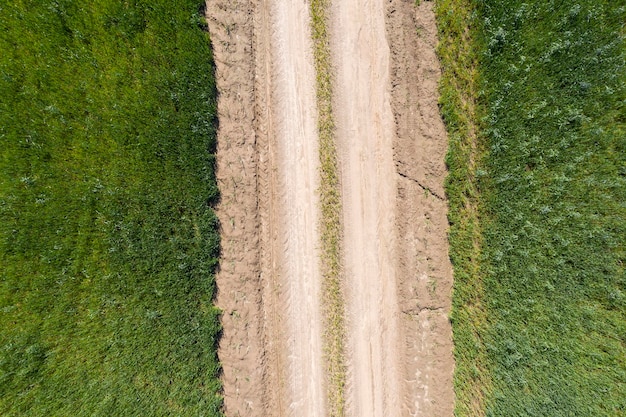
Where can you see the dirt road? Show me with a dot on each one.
(391, 145)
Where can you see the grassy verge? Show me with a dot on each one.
(552, 187)
(460, 110)
(331, 214)
(107, 240)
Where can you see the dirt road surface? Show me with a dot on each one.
(423, 268)
(391, 145)
(269, 281)
(241, 348)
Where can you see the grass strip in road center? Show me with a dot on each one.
(330, 224)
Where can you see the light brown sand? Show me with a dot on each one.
(271, 350)
(423, 269)
(241, 349)
(365, 131)
(296, 164)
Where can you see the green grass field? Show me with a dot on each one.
(107, 239)
(538, 204)
(108, 243)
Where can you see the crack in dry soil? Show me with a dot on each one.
(422, 186)
(424, 272)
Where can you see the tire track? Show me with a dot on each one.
(297, 263)
(364, 138)
(268, 169)
(392, 145)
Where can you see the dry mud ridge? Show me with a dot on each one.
(391, 144)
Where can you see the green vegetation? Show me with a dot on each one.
(330, 227)
(107, 240)
(537, 204)
(459, 108)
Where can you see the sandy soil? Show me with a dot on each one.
(391, 144)
(297, 261)
(365, 131)
(241, 347)
(269, 282)
(424, 272)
